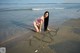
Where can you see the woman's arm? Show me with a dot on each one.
(41, 22)
(41, 25)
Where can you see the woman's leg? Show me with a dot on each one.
(35, 26)
(39, 28)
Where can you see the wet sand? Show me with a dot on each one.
(22, 39)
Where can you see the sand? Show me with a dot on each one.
(65, 40)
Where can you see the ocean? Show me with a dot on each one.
(27, 13)
(59, 12)
(38, 6)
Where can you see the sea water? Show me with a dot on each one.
(28, 12)
(16, 19)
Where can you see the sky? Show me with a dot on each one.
(39, 1)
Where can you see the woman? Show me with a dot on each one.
(43, 19)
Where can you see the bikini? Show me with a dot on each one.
(38, 21)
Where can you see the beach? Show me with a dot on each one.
(17, 33)
(23, 39)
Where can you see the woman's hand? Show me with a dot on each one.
(48, 29)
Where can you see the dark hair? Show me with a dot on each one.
(45, 13)
(46, 21)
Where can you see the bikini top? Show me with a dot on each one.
(39, 20)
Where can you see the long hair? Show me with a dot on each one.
(46, 21)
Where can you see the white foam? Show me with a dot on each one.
(42, 8)
(59, 8)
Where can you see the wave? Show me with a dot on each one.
(42, 8)
(17, 9)
(34, 9)
(59, 8)
(45, 8)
